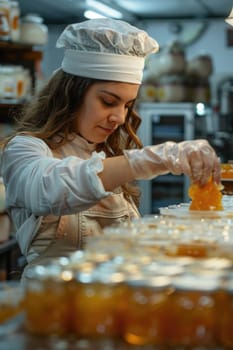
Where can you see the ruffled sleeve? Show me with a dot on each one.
(43, 184)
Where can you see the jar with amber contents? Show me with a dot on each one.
(98, 304)
(193, 311)
(194, 248)
(47, 300)
(226, 319)
(227, 178)
(147, 310)
(11, 301)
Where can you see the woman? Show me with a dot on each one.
(75, 155)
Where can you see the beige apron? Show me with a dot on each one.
(59, 236)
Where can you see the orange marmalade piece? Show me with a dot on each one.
(207, 197)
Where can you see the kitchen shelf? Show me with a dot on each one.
(13, 52)
(8, 110)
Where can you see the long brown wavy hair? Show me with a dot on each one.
(52, 111)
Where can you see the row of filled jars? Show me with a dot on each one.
(169, 236)
(172, 60)
(15, 83)
(174, 302)
(174, 88)
(28, 29)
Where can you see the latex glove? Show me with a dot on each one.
(196, 159)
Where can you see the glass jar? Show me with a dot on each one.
(147, 310)
(192, 248)
(47, 300)
(193, 311)
(14, 21)
(32, 30)
(200, 66)
(11, 300)
(200, 91)
(227, 178)
(226, 319)
(20, 82)
(5, 10)
(4, 27)
(171, 89)
(172, 60)
(8, 84)
(148, 92)
(98, 304)
(13, 82)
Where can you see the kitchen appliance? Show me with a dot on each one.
(225, 102)
(222, 138)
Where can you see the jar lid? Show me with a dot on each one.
(7, 69)
(49, 272)
(217, 263)
(156, 282)
(192, 282)
(164, 270)
(100, 276)
(32, 18)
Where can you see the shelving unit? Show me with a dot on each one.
(17, 54)
(165, 122)
(26, 56)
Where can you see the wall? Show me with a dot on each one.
(52, 56)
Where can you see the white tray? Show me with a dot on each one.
(183, 211)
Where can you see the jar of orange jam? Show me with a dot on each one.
(11, 300)
(193, 311)
(226, 319)
(98, 303)
(47, 300)
(227, 178)
(147, 310)
(192, 248)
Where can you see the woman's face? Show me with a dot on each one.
(104, 109)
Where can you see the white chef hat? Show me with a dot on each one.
(229, 19)
(106, 49)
